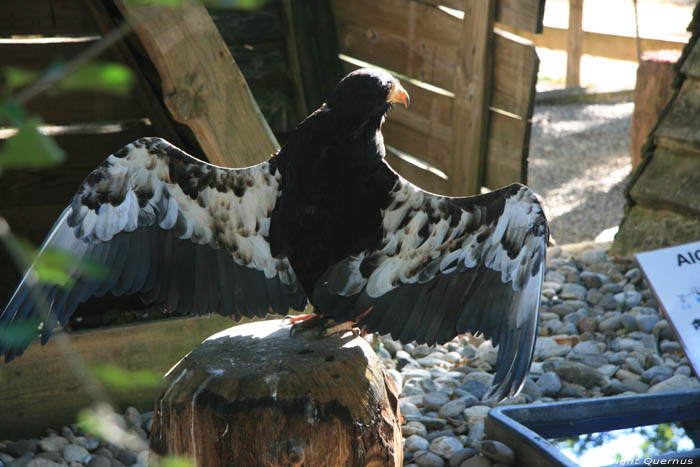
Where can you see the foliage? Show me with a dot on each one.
(125, 380)
(658, 439)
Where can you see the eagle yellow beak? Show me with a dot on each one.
(398, 94)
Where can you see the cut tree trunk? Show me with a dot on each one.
(257, 395)
(651, 94)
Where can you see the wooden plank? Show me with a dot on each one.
(416, 175)
(312, 51)
(596, 44)
(435, 151)
(254, 26)
(144, 90)
(430, 111)
(574, 45)
(412, 38)
(46, 18)
(522, 14)
(57, 185)
(76, 107)
(30, 223)
(47, 388)
(508, 148)
(669, 181)
(682, 120)
(472, 96)
(519, 59)
(37, 55)
(202, 86)
(373, 41)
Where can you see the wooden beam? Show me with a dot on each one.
(574, 44)
(202, 86)
(154, 109)
(43, 388)
(522, 14)
(472, 97)
(46, 18)
(596, 44)
(312, 44)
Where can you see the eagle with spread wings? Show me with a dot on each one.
(324, 220)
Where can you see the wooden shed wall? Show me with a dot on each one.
(421, 41)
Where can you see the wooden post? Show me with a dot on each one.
(258, 395)
(202, 86)
(651, 94)
(574, 44)
(472, 87)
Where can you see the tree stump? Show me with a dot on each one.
(256, 395)
(651, 94)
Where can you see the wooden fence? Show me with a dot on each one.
(577, 42)
(472, 85)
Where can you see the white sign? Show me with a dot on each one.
(674, 277)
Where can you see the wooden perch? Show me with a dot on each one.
(202, 85)
(257, 395)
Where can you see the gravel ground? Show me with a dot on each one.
(579, 166)
(600, 335)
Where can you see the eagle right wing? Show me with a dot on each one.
(169, 227)
(447, 266)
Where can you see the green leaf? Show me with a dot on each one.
(30, 149)
(55, 266)
(175, 461)
(16, 77)
(20, 333)
(169, 3)
(126, 380)
(89, 423)
(237, 4)
(109, 78)
(12, 112)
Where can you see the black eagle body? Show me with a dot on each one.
(325, 219)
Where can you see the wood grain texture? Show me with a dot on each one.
(522, 14)
(508, 147)
(405, 36)
(85, 148)
(313, 50)
(423, 42)
(257, 395)
(472, 97)
(651, 94)
(43, 389)
(574, 46)
(130, 52)
(596, 44)
(418, 176)
(45, 17)
(202, 86)
(514, 59)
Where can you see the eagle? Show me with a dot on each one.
(324, 220)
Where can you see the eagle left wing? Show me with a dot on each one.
(169, 228)
(447, 266)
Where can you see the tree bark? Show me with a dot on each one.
(256, 395)
(651, 94)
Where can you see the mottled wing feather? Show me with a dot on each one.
(171, 228)
(446, 266)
